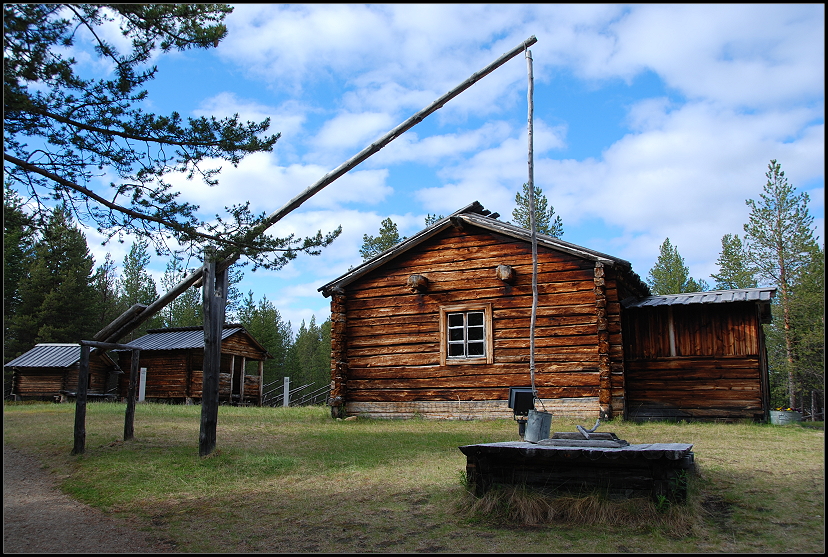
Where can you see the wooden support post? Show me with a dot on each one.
(242, 375)
(80, 402)
(129, 416)
(214, 301)
(232, 377)
(261, 381)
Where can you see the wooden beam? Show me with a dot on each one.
(228, 257)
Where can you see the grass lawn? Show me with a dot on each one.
(294, 480)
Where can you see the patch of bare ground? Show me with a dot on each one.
(39, 518)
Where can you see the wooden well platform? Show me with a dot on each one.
(573, 466)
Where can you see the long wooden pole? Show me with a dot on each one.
(532, 224)
(273, 218)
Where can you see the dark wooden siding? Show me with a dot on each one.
(177, 374)
(712, 368)
(47, 382)
(393, 335)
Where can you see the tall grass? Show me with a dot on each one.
(294, 480)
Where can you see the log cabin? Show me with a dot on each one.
(49, 371)
(173, 359)
(438, 326)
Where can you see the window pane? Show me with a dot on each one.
(475, 349)
(455, 320)
(475, 333)
(455, 350)
(476, 319)
(456, 334)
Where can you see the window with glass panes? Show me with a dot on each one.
(466, 335)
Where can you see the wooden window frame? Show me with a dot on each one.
(488, 344)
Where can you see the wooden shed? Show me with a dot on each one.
(438, 326)
(697, 355)
(49, 371)
(171, 361)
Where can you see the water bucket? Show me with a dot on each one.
(537, 426)
(784, 417)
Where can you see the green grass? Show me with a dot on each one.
(294, 480)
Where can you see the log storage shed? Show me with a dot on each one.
(438, 326)
(49, 371)
(174, 357)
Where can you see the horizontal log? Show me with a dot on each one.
(407, 395)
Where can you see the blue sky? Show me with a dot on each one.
(651, 121)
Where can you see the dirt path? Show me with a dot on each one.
(38, 518)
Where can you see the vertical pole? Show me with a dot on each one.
(129, 416)
(80, 402)
(261, 382)
(214, 295)
(532, 226)
(142, 385)
(286, 399)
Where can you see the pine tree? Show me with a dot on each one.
(57, 302)
(779, 241)
(545, 220)
(670, 275)
(388, 237)
(71, 123)
(734, 270)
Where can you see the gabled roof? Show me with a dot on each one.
(177, 338)
(56, 355)
(475, 215)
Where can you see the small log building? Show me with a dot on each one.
(438, 326)
(49, 371)
(174, 357)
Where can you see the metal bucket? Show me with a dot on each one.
(784, 417)
(538, 426)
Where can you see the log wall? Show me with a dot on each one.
(695, 362)
(177, 374)
(49, 382)
(389, 347)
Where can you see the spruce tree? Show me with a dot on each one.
(136, 285)
(734, 270)
(186, 309)
(670, 275)
(57, 302)
(265, 323)
(546, 222)
(18, 254)
(105, 284)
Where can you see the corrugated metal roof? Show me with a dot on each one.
(712, 297)
(176, 339)
(48, 355)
